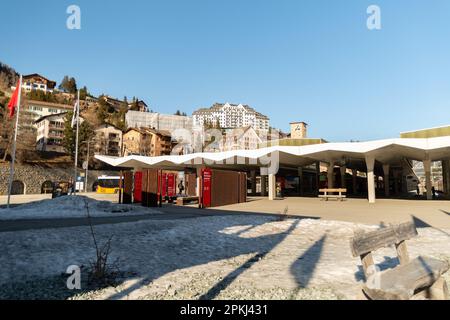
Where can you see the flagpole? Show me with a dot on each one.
(13, 160)
(76, 145)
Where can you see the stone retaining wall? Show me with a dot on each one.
(34, 176)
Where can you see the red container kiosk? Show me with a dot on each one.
(222, 187)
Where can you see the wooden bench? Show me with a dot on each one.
(181, 201)
(411, 279)
(331, 193)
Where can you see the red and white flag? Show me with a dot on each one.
(13, 103)
(75, 113)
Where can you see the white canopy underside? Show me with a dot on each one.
(390, 151)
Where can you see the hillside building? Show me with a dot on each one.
(230, 116)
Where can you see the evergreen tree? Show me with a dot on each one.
(64, 83)
(72, 86)
(68, 85)
(135, 105)
(102, 110)
(121, 123)
(68, 141)
(84, 93)
(85, 133)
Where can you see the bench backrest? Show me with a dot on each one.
(332, 190)
(364, 243)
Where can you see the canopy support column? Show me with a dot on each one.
(428, 185)
(300, 181)
(330, 174)
(354, 181)
(263, 173)
(386, 170)
(370, 163)
(272, 186)
(446, 176)
(343, 170)
(253, 179)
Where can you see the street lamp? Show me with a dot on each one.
(88, 142)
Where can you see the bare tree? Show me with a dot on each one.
(26, 139)
(101, 271)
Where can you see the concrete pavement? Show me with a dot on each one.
(434, 214)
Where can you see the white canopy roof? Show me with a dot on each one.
(385, 151)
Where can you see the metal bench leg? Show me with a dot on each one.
(438, 291)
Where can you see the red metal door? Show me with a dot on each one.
(171, 185)
(164, 185)
(206, 184)
(151, 188)
(137, 187)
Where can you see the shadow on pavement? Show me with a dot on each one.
(303, 268)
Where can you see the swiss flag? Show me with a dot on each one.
(14, 100)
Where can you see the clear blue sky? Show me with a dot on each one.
(308, 60)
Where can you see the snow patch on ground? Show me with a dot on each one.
(71, 207)
(221, 257)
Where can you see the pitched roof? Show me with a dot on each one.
(50, 104)
(107, 125)
(50, 116)
(144, 130)
(239, 133)
(218, 106)
(34, 75)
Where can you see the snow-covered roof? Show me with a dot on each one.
(384, 151)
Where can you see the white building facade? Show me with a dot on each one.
(158, 121)
(231, 116)
(108, 140)
(241, 139)
(50, 133)
(39, 109)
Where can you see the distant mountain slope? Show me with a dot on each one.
(8, 77)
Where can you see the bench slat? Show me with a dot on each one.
(333, 190)
(367, 242)
(332, 196)
(181, 201)
(402, 282)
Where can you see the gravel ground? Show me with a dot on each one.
(221, 257)
(197, 284)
